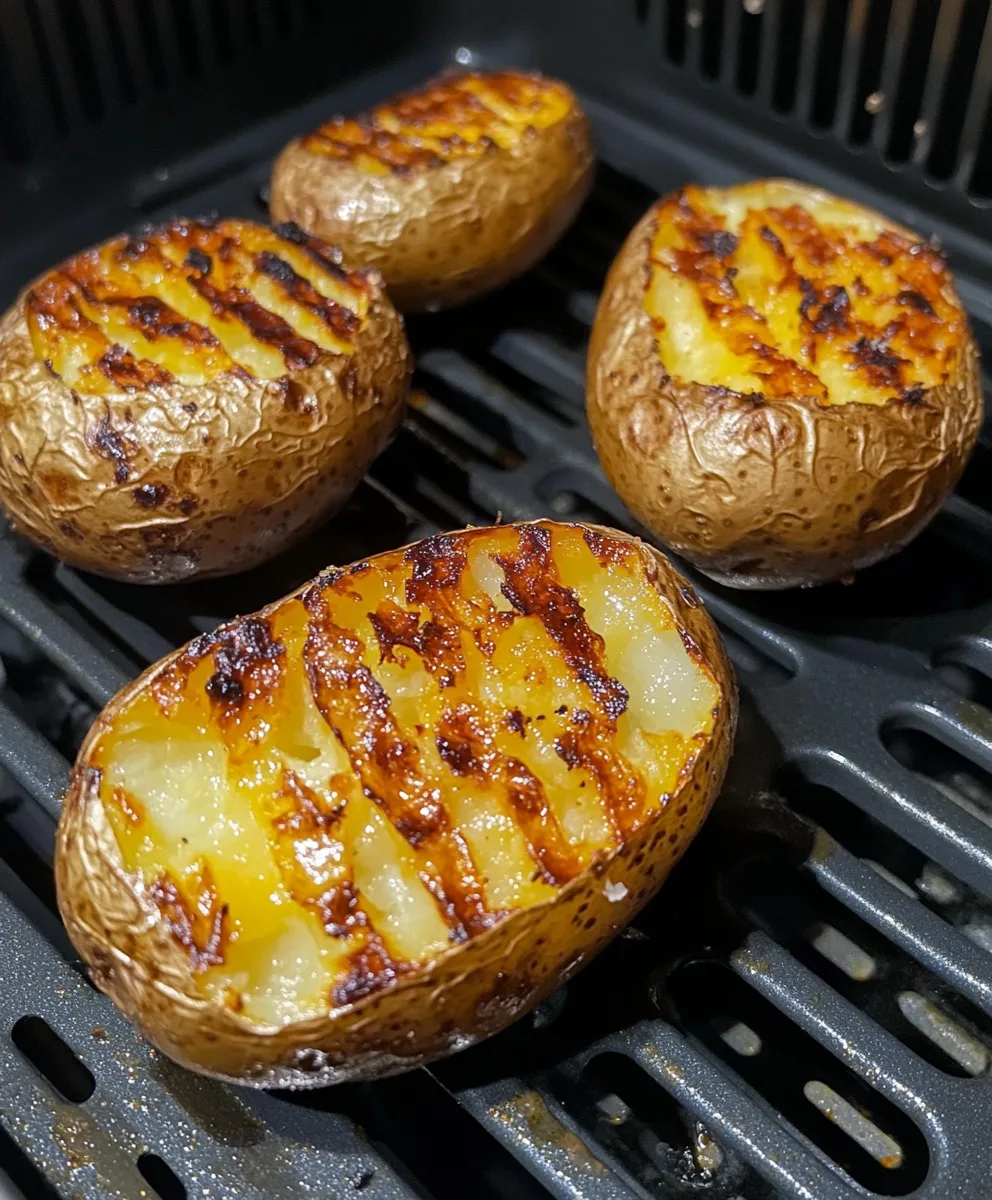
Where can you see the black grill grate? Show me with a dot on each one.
(909, 80)
(806, 1008)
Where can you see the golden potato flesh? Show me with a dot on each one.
(183, 401)
(450, 190)
(782, 384)
(447, 770)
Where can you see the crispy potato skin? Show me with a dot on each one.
(444, 231)
(176, 480)
(467, 993)
(766, 494)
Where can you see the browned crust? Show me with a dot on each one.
(765, 494)
(471, 991)
(446, 232)
(181, 481)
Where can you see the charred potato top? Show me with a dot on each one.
(782, 384)
(181, 401)
(450, 190)
(377, 820)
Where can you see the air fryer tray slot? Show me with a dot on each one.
(807, 1006)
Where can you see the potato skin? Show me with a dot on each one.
(182, 481)
(446, 232)
(468, 993)
(765, 495)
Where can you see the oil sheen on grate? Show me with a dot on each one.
(805, 1010)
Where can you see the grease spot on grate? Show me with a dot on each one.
(884, 1149)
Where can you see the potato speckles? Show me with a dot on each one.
(323, 798)
(461, 115)
(187, 301)
(777, 291)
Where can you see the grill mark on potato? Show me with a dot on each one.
(329, 258)
(53, 304)
(585, 744)
(357, 708)
(438, 645)
(135, 283)
(744, 330)
(197, 923)
(437, 565)
(248, 662)
(370, 970)
(149, 315)
(264, 326)
(312, 859)
(464, 740)
(533, 588)
(916, 330)
(466, 745)
(460, 115)
(340, 320)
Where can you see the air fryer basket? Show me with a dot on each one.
(806, 1009)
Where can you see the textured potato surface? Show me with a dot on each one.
(189, 399)
(462, 116)
(781, 385)
(779, 291)
(319, 800)
(189, 300)
(451, 189)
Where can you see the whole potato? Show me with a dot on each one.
(186, 401)
(782, 385)
(388, 814)
(451, 190)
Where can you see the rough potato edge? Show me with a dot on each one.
(668, 447)
(468, 993)
(450, 232)
(261, 461)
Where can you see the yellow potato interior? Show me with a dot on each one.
(776, 290)
(460, 116)
(323, 798)
(184, 302)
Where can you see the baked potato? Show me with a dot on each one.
(451, 190)
(386, 815)
(782, 385)
(185, 401)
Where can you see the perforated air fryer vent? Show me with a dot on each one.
(906, 80)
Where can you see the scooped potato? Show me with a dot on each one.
(451, 190)
(383, 817)
(186, 401)
(782, 385)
